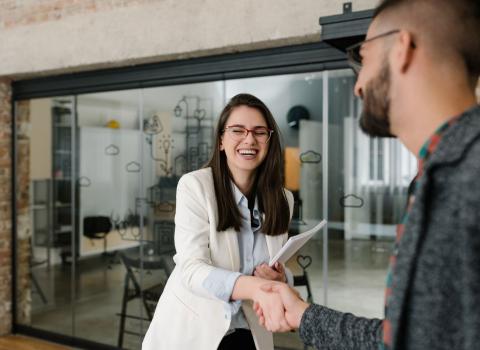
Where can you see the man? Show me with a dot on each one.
(419, 68)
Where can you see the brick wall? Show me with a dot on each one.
(24, 231)
(5, 208)
(23, 221)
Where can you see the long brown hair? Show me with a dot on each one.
(268, 183)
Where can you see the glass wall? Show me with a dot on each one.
(102, 175)
(45, 209)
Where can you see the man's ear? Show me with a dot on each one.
(404, 51)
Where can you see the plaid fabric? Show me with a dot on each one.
(427, 149)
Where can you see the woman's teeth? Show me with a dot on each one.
(247, 152)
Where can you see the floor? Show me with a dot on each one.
(18, 342)
(356, 275)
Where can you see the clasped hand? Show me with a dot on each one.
(279, 307)
(277, 273)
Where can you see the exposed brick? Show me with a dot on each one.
(5, 210)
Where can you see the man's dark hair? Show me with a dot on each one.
(452, 26)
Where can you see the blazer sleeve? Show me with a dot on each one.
(325, 328)
(192, 231)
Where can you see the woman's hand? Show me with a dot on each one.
(277, 273)
(292, 302)
(272, 310)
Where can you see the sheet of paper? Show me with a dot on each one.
(295, 243)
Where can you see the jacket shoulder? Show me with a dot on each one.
(469, 167)
(289, 195)
(198, 178)
(290, 200)
(198, 183)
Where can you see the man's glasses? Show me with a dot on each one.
(261, 133)
(353, 52)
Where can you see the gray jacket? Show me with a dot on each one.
(436, 298)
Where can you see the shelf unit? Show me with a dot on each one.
(41, 214)
(63, 207)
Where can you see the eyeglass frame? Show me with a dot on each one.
(356, 64)
(270, 131)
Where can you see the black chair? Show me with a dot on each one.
(302, 280)
(34, 263)
(297, 215)
(149, 295)
(97, 227)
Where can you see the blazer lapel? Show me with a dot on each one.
(230, 235)
(274, 244)
(233, 248)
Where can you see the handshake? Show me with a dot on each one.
(278, 306)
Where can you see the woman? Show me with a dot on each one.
(231, 218)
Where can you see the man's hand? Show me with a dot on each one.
(277, 273)
(294, 307)
(273, 312)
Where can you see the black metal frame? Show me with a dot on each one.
(291, 59)
(341, 31)
(284, 60)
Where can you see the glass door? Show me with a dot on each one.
(366, 192)
(97, 178)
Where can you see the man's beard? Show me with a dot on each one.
(374, 120)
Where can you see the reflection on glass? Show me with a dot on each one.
(133, 148)
(44, 207)
(103, 168)
(368, 180)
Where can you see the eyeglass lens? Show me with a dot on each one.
(261, 134)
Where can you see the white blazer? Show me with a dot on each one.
(187, 317)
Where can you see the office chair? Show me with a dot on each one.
(97, 227)
(33, 262)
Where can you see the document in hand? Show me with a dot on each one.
(295, 243)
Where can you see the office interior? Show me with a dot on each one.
(103, 169)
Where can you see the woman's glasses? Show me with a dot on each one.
(261, 133)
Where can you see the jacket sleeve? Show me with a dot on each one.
(192, 230)
(325, 328)
(470, 261)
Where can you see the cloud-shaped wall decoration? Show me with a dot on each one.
(84, 181)
(351, 201)
(310, 157)
(112, 150)
(133, 167)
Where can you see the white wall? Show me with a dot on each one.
(40, 139)
(160, 30)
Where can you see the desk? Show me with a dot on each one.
(115, 241)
